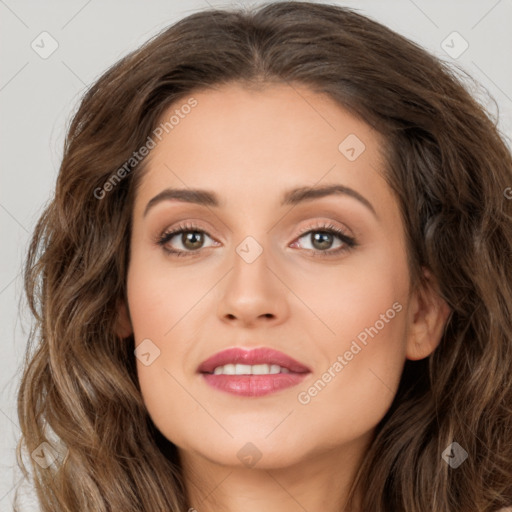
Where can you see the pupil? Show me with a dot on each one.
(193, 238)
(322, 240)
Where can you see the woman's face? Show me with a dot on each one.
(260, 267)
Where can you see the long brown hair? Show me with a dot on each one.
(450, 170)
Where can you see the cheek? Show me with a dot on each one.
(364, 305)
(347, 299)
(160, 297)
(163, 311)
(356, 388)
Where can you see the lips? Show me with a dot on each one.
(250, 385)
(252, 357)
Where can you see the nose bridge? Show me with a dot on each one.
(250, 267)
(251, 290)
(252, 251)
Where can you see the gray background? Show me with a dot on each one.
(38, 96)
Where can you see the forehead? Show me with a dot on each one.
(249, 142)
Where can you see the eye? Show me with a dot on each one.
(322, 239)
(190, 237)
(190, 240)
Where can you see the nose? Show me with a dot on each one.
(253, 294)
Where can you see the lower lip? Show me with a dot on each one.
(253, 385)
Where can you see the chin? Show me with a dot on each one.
(253, 454)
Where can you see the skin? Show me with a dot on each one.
(249, 146)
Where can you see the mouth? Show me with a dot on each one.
(255, 372)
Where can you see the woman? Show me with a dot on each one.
(275, 275)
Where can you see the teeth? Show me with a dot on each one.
(247, 369)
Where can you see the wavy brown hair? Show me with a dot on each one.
(450, 170)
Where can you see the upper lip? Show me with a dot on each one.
(262, 355)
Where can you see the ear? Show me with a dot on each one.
(428, 315)
(123, 322)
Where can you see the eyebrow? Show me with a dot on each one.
(290, 197)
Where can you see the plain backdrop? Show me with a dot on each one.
(52, 50)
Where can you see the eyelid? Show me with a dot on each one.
(189, 224)
(326, 224)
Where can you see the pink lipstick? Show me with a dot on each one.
(255, 372)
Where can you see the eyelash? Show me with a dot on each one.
(349, 243)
